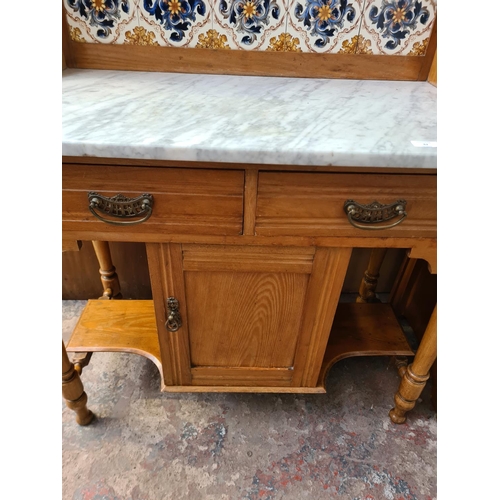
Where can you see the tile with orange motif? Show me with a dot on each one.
(324, 25)
(250, 24)
(176, 23)
(101, 21)
(397, 27)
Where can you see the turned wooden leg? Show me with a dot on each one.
(109, 278)
(370, 279)
(401, 363)
(72, 390)
(416, 374)
(81, 360)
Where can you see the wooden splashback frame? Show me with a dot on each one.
(242, 62)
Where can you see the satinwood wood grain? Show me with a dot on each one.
(414, 296)
(426, 252)
(242, 377)
(257, 308)
(109, 278)
(80, 272)
(71, 245)
(363, 329)
(250, 310)
(432, 78)
(250, 202)
(117, 326)
(146, 162)
(67, 44)
(323, 293)
(417, 373)
(369, 282)
(432, 63)
(312, 204)
(244, 389)
(72, 391)
(167, 280)
(185, 201)
(427, 61)
(247, 258)
(244, 319)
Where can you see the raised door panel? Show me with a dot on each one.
(247, 319)
(251, 316)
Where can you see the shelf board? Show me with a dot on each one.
(118, 326)
(364, 330)
(129, 326)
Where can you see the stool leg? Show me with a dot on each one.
(370, 279)
(417, 373)
(72, 390)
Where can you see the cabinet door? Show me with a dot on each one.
(251, 316)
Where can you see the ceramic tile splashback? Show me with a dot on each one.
(399, 27)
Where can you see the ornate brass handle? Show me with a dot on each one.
(174, 321)
(374, 214)
(121, 207)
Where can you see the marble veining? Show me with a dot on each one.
(244, 119)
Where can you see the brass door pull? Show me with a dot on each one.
(368, 216)
(121, 207)
(174, 321)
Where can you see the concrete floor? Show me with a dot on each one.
(148, 445)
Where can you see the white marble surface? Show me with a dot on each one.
(294, 121)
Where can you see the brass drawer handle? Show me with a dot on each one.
(121, 207)
(174, 321)
(374, 214)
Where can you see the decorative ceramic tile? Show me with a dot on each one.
(140, 36)
(323, 25)
(101, 21)
(397, 27)
(284, 43)
(250, 24)
(356, 45)
(176, 23)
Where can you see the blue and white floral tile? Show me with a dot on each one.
(323, 25)
(101, 21)
(176, 23)
(250, 24)
(397, 27)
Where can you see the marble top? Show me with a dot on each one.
(246, 119)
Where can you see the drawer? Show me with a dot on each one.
(312, 204)
(184, 201)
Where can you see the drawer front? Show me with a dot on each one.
(312, 204)
(184, 201)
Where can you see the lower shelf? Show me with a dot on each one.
(130, 326)
(364, 330)
(118, 326)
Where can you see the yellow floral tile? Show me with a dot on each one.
(398, 27)
(324, 25)
(212, 40)
(101, 21)
(140, 36)
(356, 45)
(250, 24)
(176, 23)
(75, 33)
(284, 43)
(419, 48)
